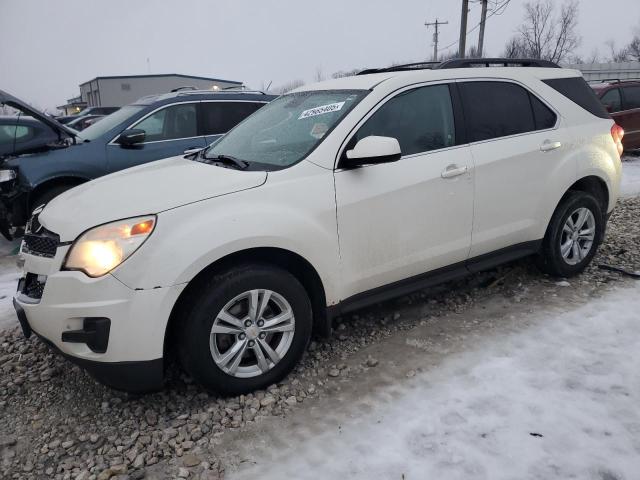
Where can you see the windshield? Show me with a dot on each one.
(110, 121)
(288, 129)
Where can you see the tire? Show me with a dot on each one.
(208, 355)
(48, 195)
(551, 259)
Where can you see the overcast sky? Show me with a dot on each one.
(47, 48)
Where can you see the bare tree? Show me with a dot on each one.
(633, 49)
(346, 73)
(514, 48)
(473, 52)
(617, 55)
(544, 35)
(287, 87)
(319, 75)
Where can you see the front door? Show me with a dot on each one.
(169, 131)
(401, 219)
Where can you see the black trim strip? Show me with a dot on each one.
(434, 277)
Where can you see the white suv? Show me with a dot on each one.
(337, 195)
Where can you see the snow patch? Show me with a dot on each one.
(630, 185)
(557, 400)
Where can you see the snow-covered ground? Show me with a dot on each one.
(630, 176)
(558, 399)
(9, 275)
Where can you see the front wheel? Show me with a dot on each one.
(245, 329)
(573, 235)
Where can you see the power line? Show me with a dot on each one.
(498, 10)
(436, 35)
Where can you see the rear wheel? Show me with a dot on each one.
(573, 236)
(245, 329)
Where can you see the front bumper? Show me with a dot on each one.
(73, 310)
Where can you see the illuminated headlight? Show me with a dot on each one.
(101, 249)
(6, 175)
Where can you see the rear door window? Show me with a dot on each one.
(170, 123)
(421, 120)
(631, 97)
(220, 117)
(497, 109)
(612, 100)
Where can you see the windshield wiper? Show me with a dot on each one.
(228, 160)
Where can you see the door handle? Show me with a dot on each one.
(454, 170)
(548, 145)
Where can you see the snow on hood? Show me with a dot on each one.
(142, 190)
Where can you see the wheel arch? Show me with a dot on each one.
(594, 185)
(70, 180)
(297, 265)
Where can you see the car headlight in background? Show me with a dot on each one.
(101, 249)
(6, 175)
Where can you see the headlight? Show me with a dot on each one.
(103, 248)
(6, 175)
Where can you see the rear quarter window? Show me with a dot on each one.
(579, 92)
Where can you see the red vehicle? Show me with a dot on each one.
(622, 99)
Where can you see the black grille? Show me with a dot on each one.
(33, 285)
(44, 243)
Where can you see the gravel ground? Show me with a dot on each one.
(56, 422)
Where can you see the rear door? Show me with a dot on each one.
(170, 130)
(630, 116)
(401, 219)
(517, 150)
(217, 117)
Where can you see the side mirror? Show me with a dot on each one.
(609, 108)
(131, 137)
(373, 150)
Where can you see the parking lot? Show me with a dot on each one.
(449, 380)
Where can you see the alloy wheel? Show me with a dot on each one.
(578, 234)
(252, 333)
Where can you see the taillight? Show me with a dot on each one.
(617, 133)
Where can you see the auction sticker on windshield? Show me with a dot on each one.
(312, 112)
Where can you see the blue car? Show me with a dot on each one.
(152, 128)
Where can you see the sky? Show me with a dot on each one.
(47, 48)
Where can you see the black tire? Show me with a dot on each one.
(210, 297)
(550, 259)
(46, 196)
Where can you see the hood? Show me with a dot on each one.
(61, 130)
(142, 190)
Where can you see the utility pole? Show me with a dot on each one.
(436, 34)
(463, 29)
(483, 20)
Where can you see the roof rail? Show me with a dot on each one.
(186, 87)
(400, 68)
(493, 62)
(228, 92)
